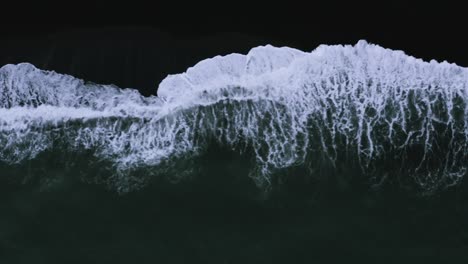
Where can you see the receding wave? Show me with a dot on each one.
(378, 113)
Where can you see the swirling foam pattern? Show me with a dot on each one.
(360, 107)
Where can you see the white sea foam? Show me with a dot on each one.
(284, 104)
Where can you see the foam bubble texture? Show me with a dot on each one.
(289, 107)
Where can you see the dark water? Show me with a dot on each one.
(220, 216)
(215, 222)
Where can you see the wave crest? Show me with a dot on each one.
(359, 107)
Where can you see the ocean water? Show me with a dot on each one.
(346, 152)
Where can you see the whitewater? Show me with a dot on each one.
(361, 110)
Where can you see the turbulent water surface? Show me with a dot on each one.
(358, 112)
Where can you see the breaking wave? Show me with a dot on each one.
(338, 110)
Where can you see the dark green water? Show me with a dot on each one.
(214, 219)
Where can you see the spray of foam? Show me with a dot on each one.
(289, 107)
